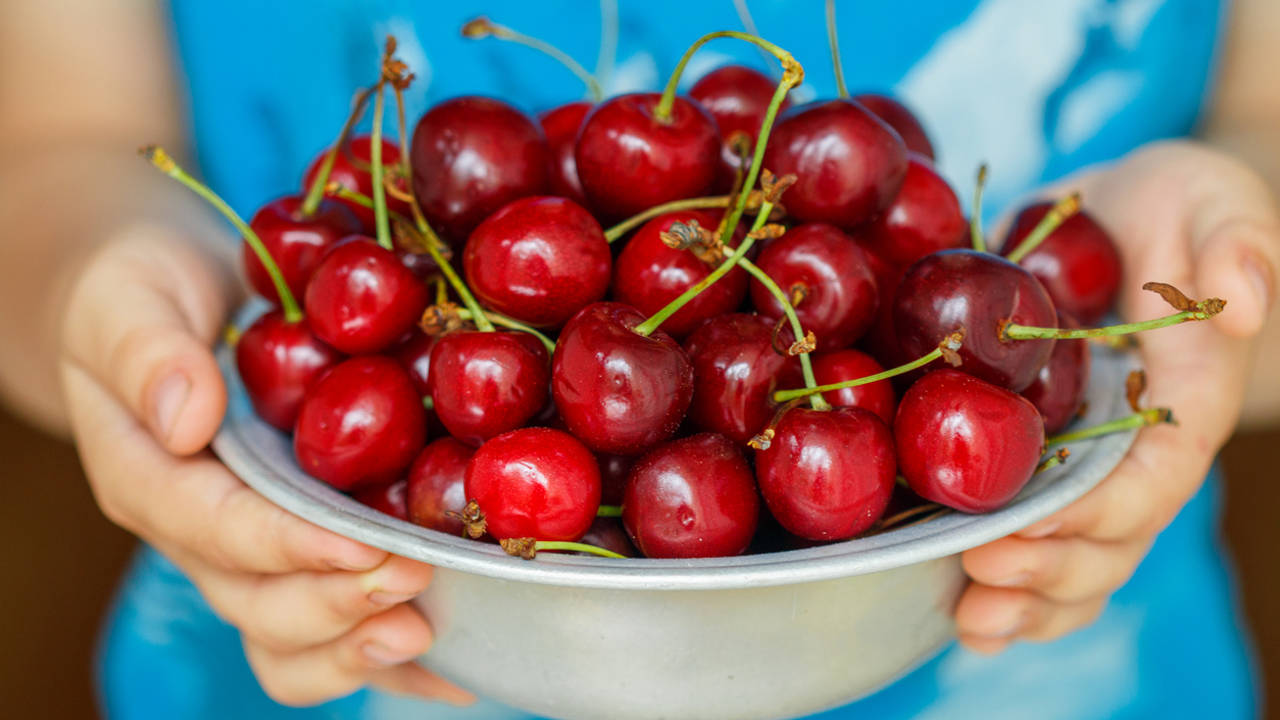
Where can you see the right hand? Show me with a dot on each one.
(320, 615)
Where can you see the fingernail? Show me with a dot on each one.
(1260, 277)
(167, 398)
(1013, 626)
(1017, 580)
(387, 599)
(365, 562)
(380, 654)
(1041, 530)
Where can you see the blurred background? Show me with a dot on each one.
(64, 559)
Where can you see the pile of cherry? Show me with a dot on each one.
(722, 346)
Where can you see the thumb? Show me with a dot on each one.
(1237, 261)
(141, 320)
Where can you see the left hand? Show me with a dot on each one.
(1184, 214)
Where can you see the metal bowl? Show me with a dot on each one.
(764, 636)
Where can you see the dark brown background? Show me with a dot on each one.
(64, 558)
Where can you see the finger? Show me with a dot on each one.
(193, 502)
(1237, 261)
(413, 680)
(141, 320)
(1064, 570)
(988, 618)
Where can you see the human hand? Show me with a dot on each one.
(320, 615)
(1184, 214)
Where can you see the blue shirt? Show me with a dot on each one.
(1036, 89)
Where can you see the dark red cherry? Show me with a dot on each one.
(849, 364)
(897, 116)
(539, 259)
(389, 499)
(965, 443)
(421, 265)
(362, 299)
(436, 485)
(692, 497)
(619, 391)
(278, 361)
(827, 475)
(881, 339)
(471, 156)
(738, 98)
(360, 424)
(1059, 389)
(923, 218)
(629, 160)
(648, 275)
(614, 470)
(297, 244)
(486, 383)
(351, 171)
(834, 275)
(850, 164)
(975, 291)
(608, 533)
(415, 355)
(535, 482)
(561, 127)
(735, 370)
(1078, 263)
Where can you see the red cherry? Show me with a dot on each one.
(649, 275)
(360, 424)
(362, 298)
(1078, 263)
(619, 391)
(975, 291)
(850, 164)
(839, 288)
(436, 485)
(608, 533)
(297, 244)
(535, 482)
(735, 370)
(692, 497)
(561, 127)
(486, 383)
(414, 355)
(966, 443)
(614, 470)
(827, 475)
(278, 361)
(1059, 389)
(897, 116)
(471, 156)
(351, 171)
(738, 98)
(924, 218)
(882, 340)
(841, 365)
(388, 499)
(539, 259)
(629, 160)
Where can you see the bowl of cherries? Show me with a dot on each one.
(692, 400)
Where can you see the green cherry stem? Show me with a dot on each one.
(345, 193)
(483, 27)
(698, 203)
(975, 219)
(1140, 419)
(165, 164)
(946, 349)
(375, 160)
(609, 511)
(834, 42)
(316, 192)
(1013, 331)
(816, 401)
(513, 324)
(1052, 220)
(528, 548)
(1053, 461)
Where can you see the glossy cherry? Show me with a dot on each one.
(415, 355)
(849, 364)
(436, 485)
(471, 156)
(735, 370)
(827, 475)
(561, 126)
(535, 482)
(351, 171)
(923, 218)
(360, 424)
(881, 340)
(975, 291)
(903, 121)
(278, 361)
(648, 275)
(538, 259)
(485, 383)
(617, 390)
(840, 296)
(296, 243)
(965, 443)
(629, 160)
(389, 498)
(614, 470)
(692, 497)
(850, 164)
(738, 98)
(1078, 263)
(1059, 389)
(362, 299)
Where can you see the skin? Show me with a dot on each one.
(111, 302)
